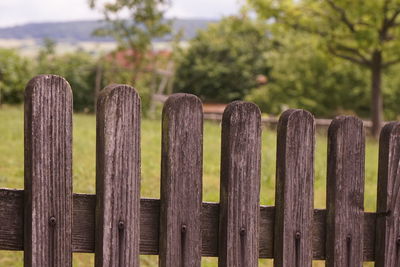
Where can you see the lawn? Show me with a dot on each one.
(11, 168)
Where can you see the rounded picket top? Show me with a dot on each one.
(241, 110)
(47, 82)
(118, 93)
(346, 124)
(390, 130)
(295, 116)
(181, 101)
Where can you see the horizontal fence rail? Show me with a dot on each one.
(83, 228)
(48, 222)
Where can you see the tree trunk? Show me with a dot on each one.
(376, 94)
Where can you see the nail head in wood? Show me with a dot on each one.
(52, 221)
(121, 225)
(297, 235)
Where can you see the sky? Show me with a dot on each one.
(18, 12)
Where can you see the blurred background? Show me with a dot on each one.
(328, 57)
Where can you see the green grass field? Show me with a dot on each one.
(11, 168)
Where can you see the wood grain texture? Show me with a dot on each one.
(294, 189)
(388, 204)
(12, 219)
(345, 192)
(181, 182)
(240, 185)
(48, 172)
(83, 231)
(118, 177)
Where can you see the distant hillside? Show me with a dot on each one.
(81, 31)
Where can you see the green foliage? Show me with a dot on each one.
(391, 93)
(303, 76)
(15, 72)
(222, 62)
(112, 73)
(134, 24)
(48, 48)
(366, 33)
(350, 29)
(79, 68)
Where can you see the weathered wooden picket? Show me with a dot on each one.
(48, 222)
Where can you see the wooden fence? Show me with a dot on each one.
(48, 222)
(272, 121)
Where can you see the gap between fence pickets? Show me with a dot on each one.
(83, 229)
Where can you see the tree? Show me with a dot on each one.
(304, 76)
(78, 68)
(15, 72)
(134, 24)
(48, 49)
(223, 61)
(365, 33)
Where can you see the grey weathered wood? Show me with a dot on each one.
(48, 172)
(118, 177)
(11, 219)
(294, 189)
(345, 192)
(83, 231)
(388, 205)
(240, 185)
(181, 181)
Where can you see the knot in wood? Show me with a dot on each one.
(398, 241)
